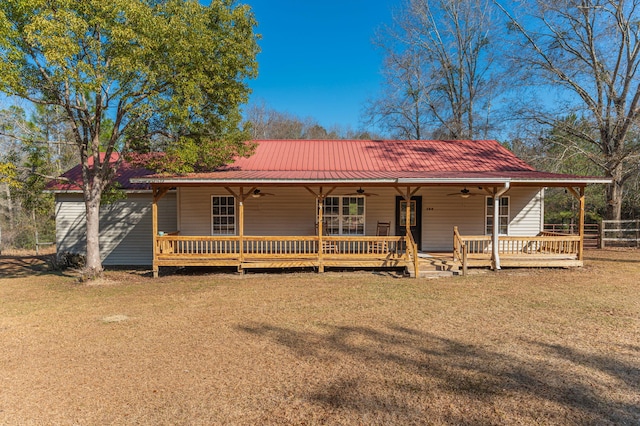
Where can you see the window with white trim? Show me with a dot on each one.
(503, 216)
(223, 215)
(343, 215)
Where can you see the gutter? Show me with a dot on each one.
(496, 225)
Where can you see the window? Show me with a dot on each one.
(343, 215)
(403, 212)
(223, 214)
(503, 216)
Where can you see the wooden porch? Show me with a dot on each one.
(544, 250)
(282, 251)
(247, 252)
(321, 251)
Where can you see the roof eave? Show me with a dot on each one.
(177, 182)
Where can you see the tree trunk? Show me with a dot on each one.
(93, 268)
(614, 194)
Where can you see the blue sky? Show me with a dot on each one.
(317, 56)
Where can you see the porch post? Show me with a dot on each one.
(407, 222)
(320, 199)
(156, 195)
(579, 195)
(241, 227)
(581, 225)
(154, 229)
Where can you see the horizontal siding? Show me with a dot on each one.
(291, 211)
(125, 227)
(441, 212)
(526, 212)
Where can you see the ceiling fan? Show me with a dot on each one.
(464, 193)
(256, 193)
(362, 192)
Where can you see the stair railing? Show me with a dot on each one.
(459, 250)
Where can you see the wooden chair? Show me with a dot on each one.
(327, 246)
(383, 229)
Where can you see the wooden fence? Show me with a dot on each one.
(620, 233)
(592, 233)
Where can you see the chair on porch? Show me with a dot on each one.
(327, 246)
(382, 230)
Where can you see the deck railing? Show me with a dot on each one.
(292, 247)
(546, 243)
(377, 246)
(176, 245)
(280, 246)
(459, 250)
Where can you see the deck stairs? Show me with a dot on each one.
(434, 265)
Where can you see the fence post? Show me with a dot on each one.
(602, 226)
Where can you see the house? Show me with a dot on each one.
(322, 203)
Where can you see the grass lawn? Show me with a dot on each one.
(558, 347)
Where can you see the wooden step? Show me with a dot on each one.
(433, 267)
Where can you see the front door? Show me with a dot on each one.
(416, 217)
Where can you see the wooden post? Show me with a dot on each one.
(464, 260)
(320, 200)
(581, 225)
(455, 241)
(154, 230)
(157, 194)
(579, 195)
(241, 227)
(414, 247)
(407, 199)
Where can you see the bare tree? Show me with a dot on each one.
(269, 123)
(440, 70)
(587, 53)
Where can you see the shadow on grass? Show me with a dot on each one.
(25, 266)
(540, 382)
(606, 259)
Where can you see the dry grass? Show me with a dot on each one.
(516, 347)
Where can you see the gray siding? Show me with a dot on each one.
(125, 227)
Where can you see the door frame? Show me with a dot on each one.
(415, 230)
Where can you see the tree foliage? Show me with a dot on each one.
(169, 74)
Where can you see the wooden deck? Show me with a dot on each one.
(247, 252)
(544, 250)
(280, 251)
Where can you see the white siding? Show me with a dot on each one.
(125, 227)
(291, 211)
(526, 211)
(442, 212)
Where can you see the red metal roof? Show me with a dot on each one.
(72, 178)
(384, 161)
(380, 156)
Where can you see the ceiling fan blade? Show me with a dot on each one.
(464, 193)
(363, 194)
